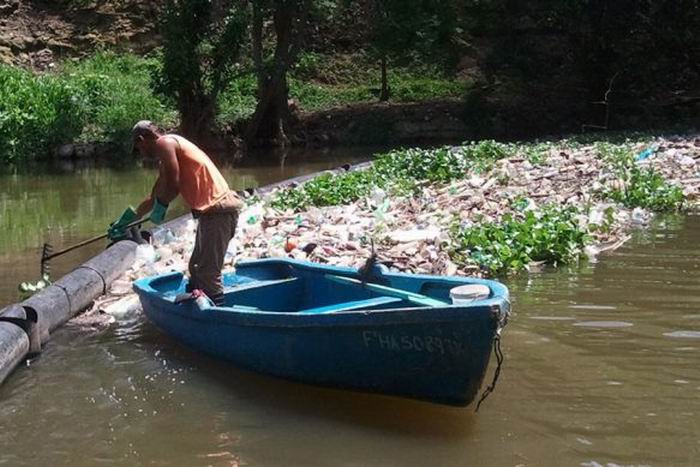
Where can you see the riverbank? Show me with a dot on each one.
(481, 209)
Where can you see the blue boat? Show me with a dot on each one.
(396, 334)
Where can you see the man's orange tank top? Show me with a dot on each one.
(201, 183)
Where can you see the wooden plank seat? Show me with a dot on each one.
(353, 305)
(415, 298)
(258, 284)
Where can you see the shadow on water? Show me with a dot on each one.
(291, 400)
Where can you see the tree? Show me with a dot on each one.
(577, 48)
(202, 40)
(289, 21)
(406, 30)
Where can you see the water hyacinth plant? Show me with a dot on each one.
(552, 235)
(647, 189)
(637, 186)
(399, 172)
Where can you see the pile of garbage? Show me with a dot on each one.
(411, 233)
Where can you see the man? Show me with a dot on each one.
(186, 170)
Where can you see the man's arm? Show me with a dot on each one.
(145, 207)
(166, 187)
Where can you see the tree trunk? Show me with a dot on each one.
(268, 123)
(196, 116)
(257, 37)
(384, 94)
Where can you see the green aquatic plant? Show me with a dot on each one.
(641, 187)
(400, 172)
(551, 235)
(27, 289)
(646, 188)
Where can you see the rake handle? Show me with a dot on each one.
(46, 257)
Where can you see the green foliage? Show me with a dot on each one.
(404, 31)
(645, 188)
(551, 235)
(641, 187)
(570, 51)
(399, 171)
(537, 153)
(328, 190)
(405, 87)
(95, 99)
(36, 112)
(115, 91)
(237, 101)
(201, 45)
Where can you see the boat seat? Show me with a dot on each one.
(258, 284)
(354, 305)
(415, 298)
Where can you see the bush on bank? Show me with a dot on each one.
(96, 99)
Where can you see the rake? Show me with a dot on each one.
(48, 254)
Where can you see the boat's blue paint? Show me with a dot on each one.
(287, 318)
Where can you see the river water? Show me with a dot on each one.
(601, 369)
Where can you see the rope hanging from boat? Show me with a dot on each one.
(499, 360)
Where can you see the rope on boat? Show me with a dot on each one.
(499, 359)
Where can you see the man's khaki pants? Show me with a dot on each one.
(216, 228)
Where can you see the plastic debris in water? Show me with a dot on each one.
(645, 154)
(410, 232)
(27, 289)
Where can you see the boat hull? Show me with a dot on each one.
(436, 354)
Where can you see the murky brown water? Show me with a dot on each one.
(602, 368)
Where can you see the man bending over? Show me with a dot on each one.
(186, 170)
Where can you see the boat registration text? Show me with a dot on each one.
(412, 343)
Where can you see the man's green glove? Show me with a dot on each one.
(158, 212)
(117, 229)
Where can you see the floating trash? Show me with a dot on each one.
(411, 233)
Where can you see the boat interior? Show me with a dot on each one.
(289, 288)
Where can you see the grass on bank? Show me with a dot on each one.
(319, 82)
(99, 98)
(96, 99)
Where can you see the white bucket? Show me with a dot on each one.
(465, 294)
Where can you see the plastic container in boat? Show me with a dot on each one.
(465, 294)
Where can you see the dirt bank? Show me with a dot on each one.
(38, 33)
